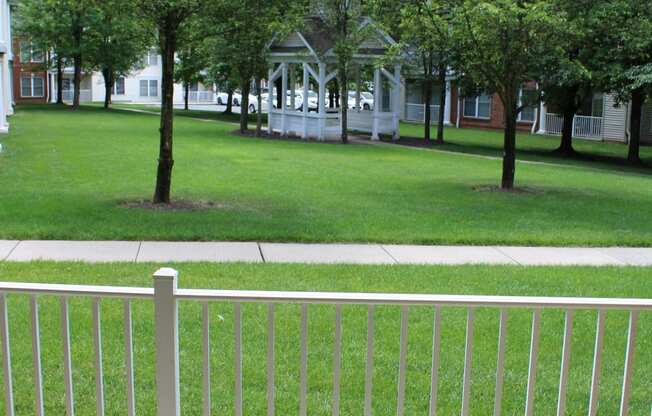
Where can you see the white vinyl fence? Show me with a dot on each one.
(201, 97)
(165, 295)
(417, 112)
(84, 95)
(584, 127)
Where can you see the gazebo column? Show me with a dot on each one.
(322, 101)
(293, 82)
(306, 108)
(396, 107)
(357, 89)
(377, 104)
(448, 104)
(284, 88)
(270, 99)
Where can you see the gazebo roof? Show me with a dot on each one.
(314, 39)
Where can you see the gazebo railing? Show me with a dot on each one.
(166, 297)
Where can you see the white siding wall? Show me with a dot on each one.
(614, 125)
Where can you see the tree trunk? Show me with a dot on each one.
(259, 113)
(186, 93)
(59, 80)
(638, 97)
(343, 83)
(569, 110)
(442, 104)
(108, 86)
(244, 106)
(509, 155)
(427, 118)
(168, 39)
(566, 145)
(229, 102)
(76, 80)
(77, 61)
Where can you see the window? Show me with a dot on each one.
(119, 86)
(32, 86)
(149, 88)
(478, 107)
(528, 97)
(151, 59)
(67, 84)
(29, 53)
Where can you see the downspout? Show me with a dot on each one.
(628, 123)
(459, 107)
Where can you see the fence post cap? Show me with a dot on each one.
(166, 273)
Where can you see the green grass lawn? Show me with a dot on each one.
(599, 282)
(534, 147)
(66, 175)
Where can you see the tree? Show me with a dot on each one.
(626, 58)
(244, 49)
(343, 20)
(428, 43)
(76, 17)
(38, 22)
(504, 44)
(568, 87)
(167, 16)
(117, 41)
(220, 73)
(191, 59)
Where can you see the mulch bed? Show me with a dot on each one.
(175, 205)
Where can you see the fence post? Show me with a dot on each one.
(167, 342)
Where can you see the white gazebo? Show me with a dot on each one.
(310, 50)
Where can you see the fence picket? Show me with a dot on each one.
(369, 368)
(500, 363)
(532, 369)
(36, 357)
(97, 344)
(6, 356)
(67, 358)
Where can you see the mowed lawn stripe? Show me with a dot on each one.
(68, 175)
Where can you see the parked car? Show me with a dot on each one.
(223, 98)
(366, 100)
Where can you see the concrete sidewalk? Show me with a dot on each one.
(252, 252)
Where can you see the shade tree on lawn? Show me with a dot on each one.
(427, 42)
(573, 80)
(242, 32)
(58, 26)
(191, 58)
(503, 45)
(116, 41)
(167, 16)
(626, 60)
(343, 19)
(220, 73)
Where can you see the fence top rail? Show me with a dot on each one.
(414, 299)
(76, 290)
(331, 297)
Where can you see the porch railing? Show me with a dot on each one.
(84, 95)
(165, 295)
(417, 112)
(201, 96)
(586, 127)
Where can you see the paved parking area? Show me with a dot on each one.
(253, 252)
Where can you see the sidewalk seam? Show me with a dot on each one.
(260, 251)
(507, 255)
(140, 244)
(12, 250)
(388, 253)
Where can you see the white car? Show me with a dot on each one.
(366, 100)
(223, 98)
